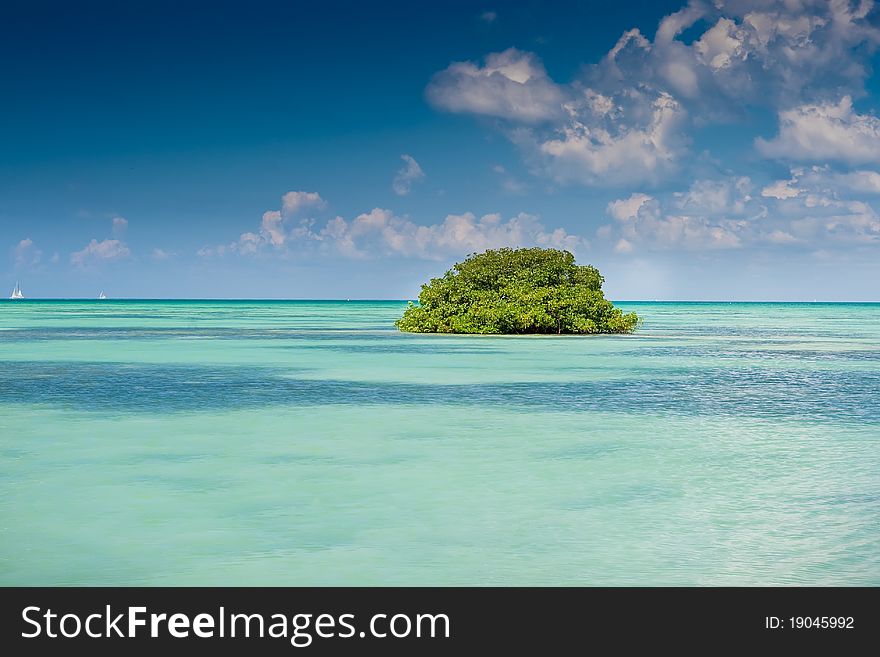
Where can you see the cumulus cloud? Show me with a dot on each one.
(824, 209)
(270, 229)
(823, 132)
(825, 181)
(627, 208)
(210, 251)
(274, 228)
(295, 202)
(761, 52)
(808, 209)
(119, 226)
(781, 189)
(609, 150)
(380, 232)
(570, 133)
(26, 253)
(162, 254)
(643, 221)
(730, 195)
(407, 176)
(628, 118)
(866, 182)
(95, 251)
(509, 85)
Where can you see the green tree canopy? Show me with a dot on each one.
(517, 291)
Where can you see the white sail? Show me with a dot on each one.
(16, 292)
(102, 295)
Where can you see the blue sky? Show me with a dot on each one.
(711, 150)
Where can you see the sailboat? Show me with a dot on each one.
(16, 293)
(102, 296)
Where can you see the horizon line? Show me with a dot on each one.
(403, 300)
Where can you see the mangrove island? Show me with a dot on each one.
(517, 291)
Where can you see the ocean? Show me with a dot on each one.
(310, 443)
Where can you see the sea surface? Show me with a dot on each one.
(310, 443)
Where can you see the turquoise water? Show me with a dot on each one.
(297, 443)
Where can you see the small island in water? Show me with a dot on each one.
(517, 291)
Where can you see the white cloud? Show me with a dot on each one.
(95, 251)
(623, 246)
(723, 45)
(513, 186)
(294, 202)
(591, 152)
(119, 226)
(781, 189)
(777, 236)
(731, 195)
(655, 230)
(510, 85)
(823, 212)
(808, 210)
(867, 182)
(273, 230)
(825, 181)
(489, 16)
(252, 242)
(674, 24)
(162, 254)
(381, 232)
(218, 250)
(711, 214)
(835, 221)
(627, 118)
(823, 132)
(776, 52)
(407, 176)
(628, 208)
(26, 253)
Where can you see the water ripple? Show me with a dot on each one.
(833, 395)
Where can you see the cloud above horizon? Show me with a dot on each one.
(628, 119)
(807, 211)
(825, 132)
(273, 226)
(120, 225)
(381, 232)
(103, 251)
(725, 137)
(407, 176)
(27, 254)
(162, 254)
(511, 85)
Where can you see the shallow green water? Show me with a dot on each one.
(310, 443)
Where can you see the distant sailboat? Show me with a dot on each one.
(102, 296)
(16, 293)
